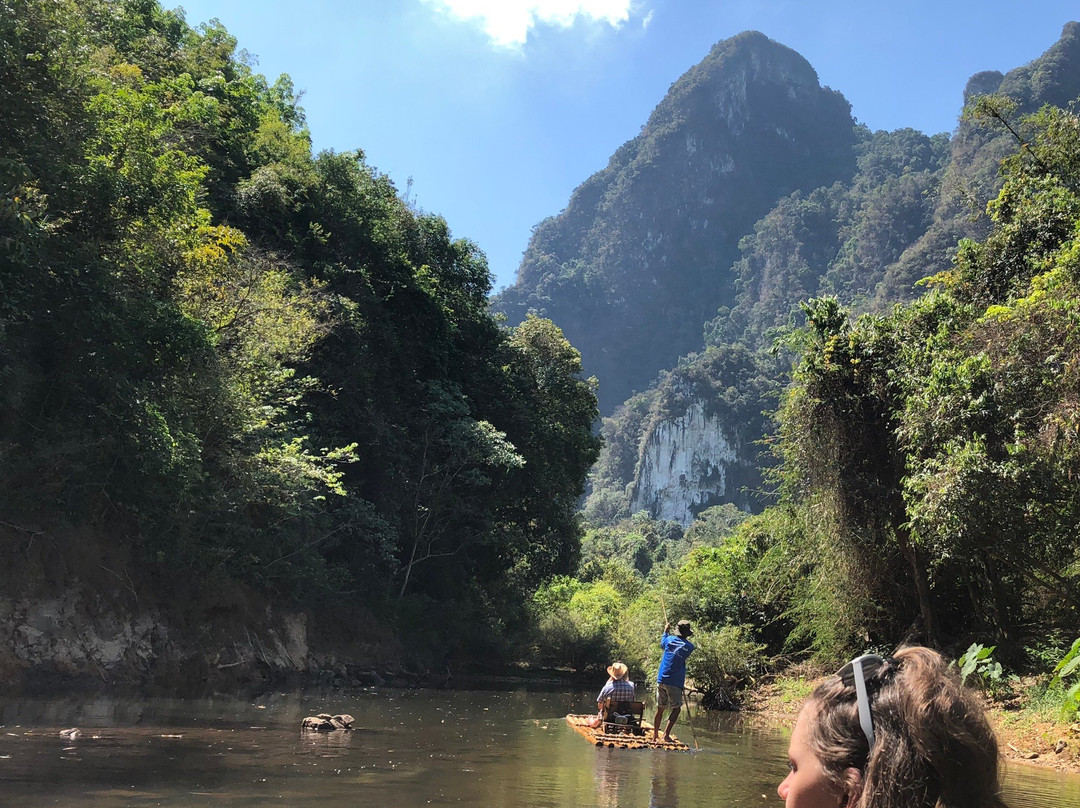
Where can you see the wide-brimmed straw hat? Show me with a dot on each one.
(617, 670)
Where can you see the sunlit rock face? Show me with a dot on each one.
(684, 467)
(690, 442)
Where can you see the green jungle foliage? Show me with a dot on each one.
(1066, 673)
(978, 661)
(636, 572)
(837, 240)
(254, 364)
(928, 470)
(643, 544)
(937, 446)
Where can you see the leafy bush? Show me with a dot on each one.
(1067, 669)
(637, 636)
(726, 661)
(976, 661)
(712, 584)
(575, 623)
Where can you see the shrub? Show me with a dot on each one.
(575, 622)
(726, 661)
(1067, 669)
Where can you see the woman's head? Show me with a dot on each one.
(922, 741)
(809, 784)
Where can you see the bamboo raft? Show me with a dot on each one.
(623, 740)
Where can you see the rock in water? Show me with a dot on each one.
(324, 722)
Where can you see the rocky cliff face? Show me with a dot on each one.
(688, 443)
(76, 634)
(684, 467)
(641, 255)
(75, 608)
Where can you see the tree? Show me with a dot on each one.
(839, 449)
(457, 460)
(251, 363)
(550, 415)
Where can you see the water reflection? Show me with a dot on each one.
(410, 748)
(612, 777)
(328, 741)
(1035, 787)
(663, 782)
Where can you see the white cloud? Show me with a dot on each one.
(507, 22)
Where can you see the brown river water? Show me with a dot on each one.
(418, 748)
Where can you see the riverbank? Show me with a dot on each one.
(1027, 729)
(81, 608)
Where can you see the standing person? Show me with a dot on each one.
(671, 677)
(892, 732)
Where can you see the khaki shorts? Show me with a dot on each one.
(668, 696)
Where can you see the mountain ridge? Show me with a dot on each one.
(868, 240)
(649, 239)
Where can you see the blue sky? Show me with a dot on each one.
(498, 109)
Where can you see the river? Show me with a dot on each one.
(505, 748)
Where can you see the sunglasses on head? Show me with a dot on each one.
(858, 669)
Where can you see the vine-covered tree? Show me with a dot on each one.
(945, 435)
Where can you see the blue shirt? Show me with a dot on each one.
(673, 664)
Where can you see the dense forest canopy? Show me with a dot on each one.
(251, 363)
(937, 445)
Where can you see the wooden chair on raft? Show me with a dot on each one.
(623, 717)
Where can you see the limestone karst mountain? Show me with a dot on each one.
(642, 254)
(971, 178)
(749, 190)
(689, 442)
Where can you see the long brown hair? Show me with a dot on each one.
(933, 747)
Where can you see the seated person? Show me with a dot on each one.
(618, 688)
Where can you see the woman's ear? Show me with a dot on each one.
(852, 787)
